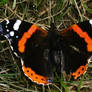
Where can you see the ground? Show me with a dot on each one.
(63, 13)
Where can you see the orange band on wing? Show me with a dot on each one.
(80, 71)
(26, 36)
(84, 35)
(35, 77)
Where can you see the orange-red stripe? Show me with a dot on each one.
(27, 35)
(84, 35)
(35, 77)
(80, 71)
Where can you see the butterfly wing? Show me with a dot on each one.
(29, 43)
(77, 48)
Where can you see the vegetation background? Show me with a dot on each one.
(64, 13)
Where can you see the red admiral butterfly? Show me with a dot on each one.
(44, 52)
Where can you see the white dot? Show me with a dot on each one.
(6, 26)
(90, 21)
(7, 22)
(7, 30)
(16, 25)
(12, 33)
(16, 36)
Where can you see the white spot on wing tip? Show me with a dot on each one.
(16, 25)
(7, 30)
(90, 21)
(12, 33)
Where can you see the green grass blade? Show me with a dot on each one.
(2, 2)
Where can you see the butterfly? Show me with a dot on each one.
(44, 52)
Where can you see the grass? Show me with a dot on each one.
(64, 13)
